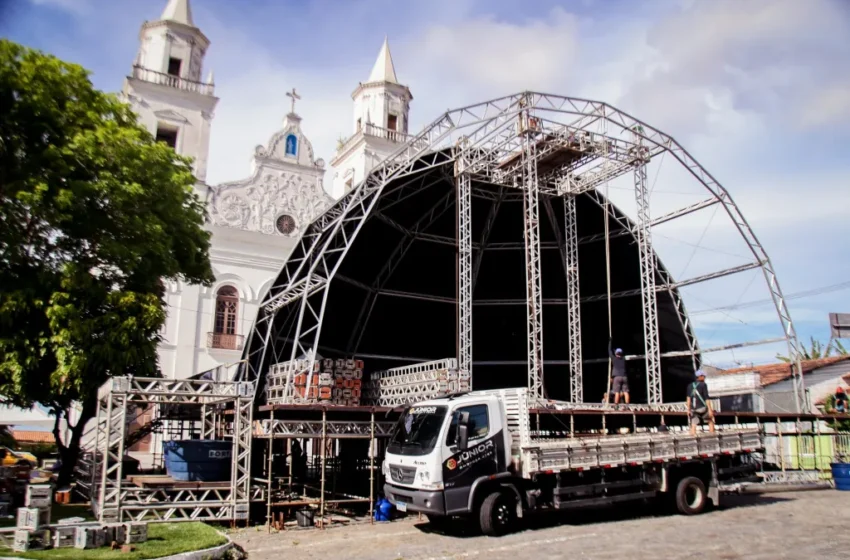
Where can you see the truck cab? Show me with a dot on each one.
(443, 450)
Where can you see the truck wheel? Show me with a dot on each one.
(690, 496)
(497, 514)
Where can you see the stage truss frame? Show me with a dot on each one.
(114, 501)
(500, 147)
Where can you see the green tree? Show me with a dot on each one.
(817, 351)
(95, 216)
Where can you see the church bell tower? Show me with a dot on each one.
(166, 89)
(381, 111)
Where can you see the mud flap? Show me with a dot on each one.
(714, 494)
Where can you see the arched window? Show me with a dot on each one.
(224, 332)
(226, 307)
(291, 145)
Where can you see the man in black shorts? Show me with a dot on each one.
(619, 381)
(699, 404)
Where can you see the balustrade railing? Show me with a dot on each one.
(169, 80)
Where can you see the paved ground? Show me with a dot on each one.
(789, 525)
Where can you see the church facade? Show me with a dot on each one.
(256, 221)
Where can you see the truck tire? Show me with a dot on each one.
(497, 514)
(691, 496)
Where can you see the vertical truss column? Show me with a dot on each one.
(464, 242)
(112, 453)
(573, 299)
(647, 281)
(534, 291)
(241, 473)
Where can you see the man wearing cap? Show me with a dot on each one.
(619, 381)
(699, 404)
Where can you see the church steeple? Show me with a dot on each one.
(166, 88)
(384, 71)
(172, 45)
(381, 111)
(382, 101)
(179, 11)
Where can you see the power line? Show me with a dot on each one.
(798, 295)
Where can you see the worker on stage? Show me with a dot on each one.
(619, 381)
(699, 404)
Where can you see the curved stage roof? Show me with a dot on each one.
(392, 299)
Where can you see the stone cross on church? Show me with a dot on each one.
(293, 96)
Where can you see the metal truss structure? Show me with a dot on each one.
(348, 429)
(528, 146)
(605, 407)
(648, 269)
(411, 384)
(465, 276)
(114, 500)
(573, 299)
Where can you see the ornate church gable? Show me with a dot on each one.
(285, 193)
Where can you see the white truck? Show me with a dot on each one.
(475, 456)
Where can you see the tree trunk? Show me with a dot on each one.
(69, 452)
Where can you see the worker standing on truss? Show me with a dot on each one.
(618, 374)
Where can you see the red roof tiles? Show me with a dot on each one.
(32, 436)
(774, 373)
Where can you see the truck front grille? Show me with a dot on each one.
(402, 475)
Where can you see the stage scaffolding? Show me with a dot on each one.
(531, 147)
(287, 423)
(224, 410)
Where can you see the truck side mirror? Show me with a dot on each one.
(463, 431)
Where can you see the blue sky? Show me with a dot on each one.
(758, 91)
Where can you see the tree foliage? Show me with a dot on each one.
(817, 350)
(95, 216)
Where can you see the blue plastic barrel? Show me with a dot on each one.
(198, 460)
(841, 475)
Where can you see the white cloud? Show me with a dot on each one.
(74, 6)
(830, 105)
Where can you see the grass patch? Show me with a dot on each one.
(164, 539)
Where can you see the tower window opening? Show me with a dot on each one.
(392, 122)
(174, 65)
(167, 135)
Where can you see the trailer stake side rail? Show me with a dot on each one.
(635, 449)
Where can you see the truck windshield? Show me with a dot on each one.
(417, 430)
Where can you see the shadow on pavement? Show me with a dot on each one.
(466, 528)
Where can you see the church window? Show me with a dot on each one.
(291, 145)
(359, 125)
(168, 135)
(285, 224)
(174, 65)
(226, 307)
(392, 122)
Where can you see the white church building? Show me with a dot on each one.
(254, 221)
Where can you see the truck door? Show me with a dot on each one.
(484, 455)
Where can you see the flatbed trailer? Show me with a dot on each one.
(476, 456)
